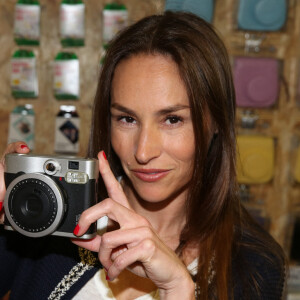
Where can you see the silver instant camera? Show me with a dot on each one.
(46, 194)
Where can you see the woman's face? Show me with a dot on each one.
(151, 126)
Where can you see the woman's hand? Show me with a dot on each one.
(18, 147)
(134, 246)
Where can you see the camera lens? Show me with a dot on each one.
(35, 205)
(32, 207)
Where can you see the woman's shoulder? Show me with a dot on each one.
(34, 268)
(258, 265)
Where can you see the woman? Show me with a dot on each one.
(164, 117)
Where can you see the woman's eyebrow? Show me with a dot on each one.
(122, 108)
(172, 109)
(163, 111)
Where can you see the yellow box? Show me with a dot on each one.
(297, 166)
(255, 159)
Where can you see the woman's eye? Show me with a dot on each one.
(126, 119)
(173, 120)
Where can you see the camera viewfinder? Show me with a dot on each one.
(50, 167)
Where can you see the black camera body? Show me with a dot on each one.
(46, 194)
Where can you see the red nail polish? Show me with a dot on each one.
(104, 155)
(106, 276)
(1, 204)
(24, 147)
(76, 230)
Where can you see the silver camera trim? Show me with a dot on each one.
(15, 163)
(59, 198)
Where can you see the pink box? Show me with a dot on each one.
(256, 81)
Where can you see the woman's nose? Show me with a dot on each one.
(148, 145)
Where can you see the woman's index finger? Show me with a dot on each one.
(113, 187)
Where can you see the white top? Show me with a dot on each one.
(97, 287)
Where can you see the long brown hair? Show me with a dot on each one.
(212, 207)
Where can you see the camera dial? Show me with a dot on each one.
(34, 205)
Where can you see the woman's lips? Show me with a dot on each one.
(150, 175)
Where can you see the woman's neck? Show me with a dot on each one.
(166, 217)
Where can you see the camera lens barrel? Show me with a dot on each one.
(34, 205)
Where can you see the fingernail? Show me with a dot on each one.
(106, 276)
(76, 230)
(104, 155)
(1, 204)
(24, 147)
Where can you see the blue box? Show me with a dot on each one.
(201, 8)
(262, 15)
(173, 5)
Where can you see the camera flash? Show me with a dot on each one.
(76, 177)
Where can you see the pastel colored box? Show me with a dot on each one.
(256, 81)
(262, 15)
(203, 8)
(255, 159)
